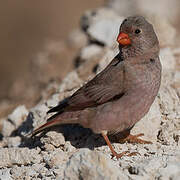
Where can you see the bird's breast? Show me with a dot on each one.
(141, 87)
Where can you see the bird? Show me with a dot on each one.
(121, 94)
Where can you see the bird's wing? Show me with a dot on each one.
(101, 89)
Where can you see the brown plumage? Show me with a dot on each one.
(123, 92)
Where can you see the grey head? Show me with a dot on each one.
(142, 37)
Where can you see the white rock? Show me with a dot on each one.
(68, 147)
(103, 25)
(144, 7)
(168, 62)
(107, 58)
(18, 115)
(77, 39)
(90, 52)
(54, 138)
(87, 164)
(57, 159)
(154, 11)
(12, 141)
(18, 156)
(171, 171)
(70, 82)
(7, 128)
(167, 59)
(149, 124)
(53, 101)
(105, 31)
(160, 8)
(123, 7)
(166, 38)
(5, 174)
(36, 171)
(169, 100)
(14, 120)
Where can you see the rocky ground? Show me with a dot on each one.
(72, 152)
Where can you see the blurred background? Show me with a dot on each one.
(35, 46)
(26, 26)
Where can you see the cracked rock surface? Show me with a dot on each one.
(73, 152)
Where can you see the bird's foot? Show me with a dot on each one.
(114, 153)
(118, 155)
(135, 139)
(125, 153)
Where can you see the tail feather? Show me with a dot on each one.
(54, 122)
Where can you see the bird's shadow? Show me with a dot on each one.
(78, 136)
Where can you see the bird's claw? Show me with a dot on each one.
(135, 139)
(120, 155)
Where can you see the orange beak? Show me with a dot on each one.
(123, 39)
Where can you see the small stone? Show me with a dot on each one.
(54, 138)
(133, 170)
(56, 158)
(68, 147)
(12, 141)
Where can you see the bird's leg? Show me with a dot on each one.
(134, 139)
(104, 134)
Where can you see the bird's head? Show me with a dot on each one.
(137, 35)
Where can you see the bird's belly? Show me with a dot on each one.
(122, 114)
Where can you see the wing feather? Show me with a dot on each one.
(101, 89)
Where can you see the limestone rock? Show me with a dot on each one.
(123, 7)
(56, 158)
(87, 164)
(54, 138)
(144, 7)
(88, 52)
(153, 11)
(14, 120)
(102, 25)
(171, 171)
(18, 156)
(150, 124)
(168, 62)
(77, 39)
(62, 153)
(36, 171)
(11, 141)
(68, 147)
(5, 174)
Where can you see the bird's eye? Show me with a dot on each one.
(125, 20)
(137, 31)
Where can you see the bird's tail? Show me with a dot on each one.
(53, 122)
